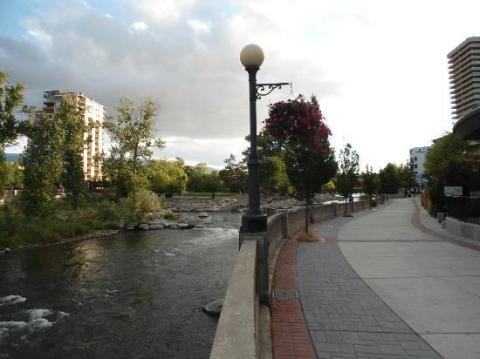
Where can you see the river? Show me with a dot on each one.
(132, 295)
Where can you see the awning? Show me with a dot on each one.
(468, 126)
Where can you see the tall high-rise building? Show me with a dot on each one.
(464, 69)
(93, 114)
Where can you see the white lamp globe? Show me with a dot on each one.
(251, 56)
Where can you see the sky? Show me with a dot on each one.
(378, 68)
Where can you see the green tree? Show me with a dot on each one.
(451, 162)
(212, 183)
(196, 175)
(202, 179)
(168, 177)
(348, 172)
(12, 176)
(389, 179)
(234, 175)
(43, 162)
(74, 142)
(273, 175)
(11, 97)
(133, 140)
(406, 177)
(267, 146)
(297, 128)
(370, 183)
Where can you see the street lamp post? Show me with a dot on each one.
(254, 223)
(252, 58)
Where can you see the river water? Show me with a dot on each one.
(132, 295)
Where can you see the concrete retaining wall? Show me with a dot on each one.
(321, 213)
(277, 227)
(467, 230)
(237, 334)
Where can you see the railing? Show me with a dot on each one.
(466, 209)
(238, 334)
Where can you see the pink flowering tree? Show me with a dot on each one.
(298, 128)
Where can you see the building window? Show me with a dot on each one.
(415, 165)
(415, 158)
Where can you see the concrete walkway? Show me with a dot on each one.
(345, 318)
(389, 284)
(429, 280)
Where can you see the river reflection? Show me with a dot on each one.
(134, 295)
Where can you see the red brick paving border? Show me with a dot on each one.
(290, 338)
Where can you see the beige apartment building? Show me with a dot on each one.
(464, 69)
(93, 114)
(464, 63)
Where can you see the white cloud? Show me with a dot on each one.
(161, 11)
(196, 150)
(198, 26)
(379, 69)
(138, 26)
(40, 35)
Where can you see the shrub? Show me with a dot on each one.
(143, 203)
(172, 216)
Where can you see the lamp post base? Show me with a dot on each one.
(252, 223)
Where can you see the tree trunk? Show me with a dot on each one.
(307, 215)
(134, 190)
(75, 200)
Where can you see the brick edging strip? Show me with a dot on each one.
(290, 337)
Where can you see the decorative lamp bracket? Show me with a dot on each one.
(266, 89)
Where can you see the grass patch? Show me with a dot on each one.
(17, 230)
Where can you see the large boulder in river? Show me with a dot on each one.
(161, 222)
(144, 226)
(131, 226)
(214, 308)
(184, 226)
(157, 226)
(203, 215)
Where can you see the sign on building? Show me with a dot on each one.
(449, 191)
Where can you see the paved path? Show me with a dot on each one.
(290, 337)
(346, 319)
(390, 284)
(431, 281)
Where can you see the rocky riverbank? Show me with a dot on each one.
(195, 204)
(237, 204)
